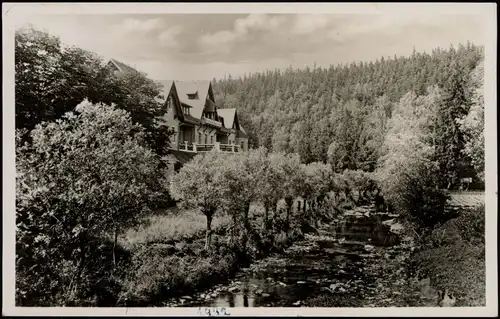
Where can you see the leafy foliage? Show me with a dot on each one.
(408, 172)
(84, 175)
(51, 79)
(472, 124)
(340, 114)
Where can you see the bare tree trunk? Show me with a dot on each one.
(289, 202)
(114, 245)
(246, 212)
(209, 231)
(266, 216)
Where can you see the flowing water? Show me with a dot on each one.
(332, 262)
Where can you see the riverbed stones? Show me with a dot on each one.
(258, 292)
(234, 289)
(297, 303)
(301, 282)
(369, 248)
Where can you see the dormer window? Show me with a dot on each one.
(193, 96)
(185, 110)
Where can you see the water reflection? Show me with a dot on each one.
(365, 230)
(230, 300)
(298, 276)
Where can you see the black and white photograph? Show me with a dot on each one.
(225, 158)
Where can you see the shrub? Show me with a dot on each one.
(459, 267)
(468, 227)
(454, 257)
(83, 177)
(408, 172)
(156, 274)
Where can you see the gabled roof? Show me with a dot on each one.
(229, 116)
(122, 67)
(190, 87)
(241, 133)
(243, 130)
(169, 86)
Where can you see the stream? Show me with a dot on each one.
(333, 265)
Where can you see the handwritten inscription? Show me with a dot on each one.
(214, 311)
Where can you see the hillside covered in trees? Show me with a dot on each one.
(340, 114)
(101, 221)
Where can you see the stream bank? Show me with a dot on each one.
(357, 260)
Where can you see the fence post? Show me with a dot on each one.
(194, 147)
(186, 145)
(217, 146)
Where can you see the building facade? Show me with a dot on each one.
(198, 123)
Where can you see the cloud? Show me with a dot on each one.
(131, 25)
(261, 22)
(168, 37)
(220, 41)
(309, 23)
(384, 24)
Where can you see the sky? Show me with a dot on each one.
(207, 46)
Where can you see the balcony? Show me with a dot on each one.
(200, 148)
(211, 122)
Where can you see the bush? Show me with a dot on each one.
(156, 274)
(468, 227)
(454, 257)
(83, 178)
(458, 267)
(413, 191)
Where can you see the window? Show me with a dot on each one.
(242, 145)
(211, 139)
(192, 96)
(206, 138)
(199, 138)
(169, 103)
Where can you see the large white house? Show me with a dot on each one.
(199, 125)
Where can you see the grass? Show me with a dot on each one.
(454, 257)
(169, 226)
(168, 256)
(155, 274)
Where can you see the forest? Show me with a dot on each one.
(100, 221)
(340, 114)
